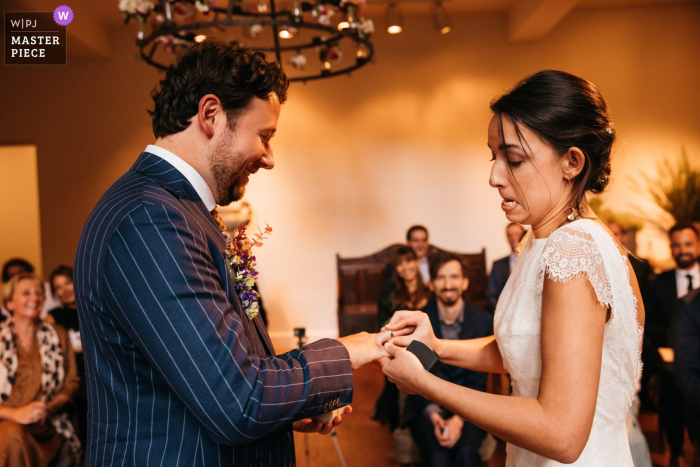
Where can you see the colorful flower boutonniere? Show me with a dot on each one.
(241, 265)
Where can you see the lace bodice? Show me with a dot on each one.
(580, 249)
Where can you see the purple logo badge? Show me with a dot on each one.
(63, 15)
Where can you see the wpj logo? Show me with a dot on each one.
(37, 38)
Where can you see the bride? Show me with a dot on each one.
(568, 323)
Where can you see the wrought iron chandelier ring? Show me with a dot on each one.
(234, 16)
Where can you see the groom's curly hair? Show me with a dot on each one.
(234, 74)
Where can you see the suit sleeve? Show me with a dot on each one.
(164, 290)
(492, 289)
(686, 365)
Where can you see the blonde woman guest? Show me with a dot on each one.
(38, 377)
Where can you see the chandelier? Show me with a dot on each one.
(299, 30)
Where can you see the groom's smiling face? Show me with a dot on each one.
(244, 149)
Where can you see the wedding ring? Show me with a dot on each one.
(391, 334)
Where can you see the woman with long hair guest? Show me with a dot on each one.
(61, 281)
(38, 377)
(568, 325)
(407, 292)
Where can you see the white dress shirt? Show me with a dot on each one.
(424, 269)
(512, 259)
(682, 279)
(192, 176)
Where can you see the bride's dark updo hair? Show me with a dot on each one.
(566, 111)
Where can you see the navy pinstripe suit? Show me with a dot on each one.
(176, 373)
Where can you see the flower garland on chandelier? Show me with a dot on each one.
(176, 25)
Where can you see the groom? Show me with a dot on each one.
(177, 373)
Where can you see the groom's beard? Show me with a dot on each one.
(230, 178)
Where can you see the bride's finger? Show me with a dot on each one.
(399, 315)
(402, 341)
(412, 321)
(404, 331)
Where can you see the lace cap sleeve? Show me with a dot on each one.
(571, 252)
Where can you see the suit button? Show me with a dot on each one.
(325, 407)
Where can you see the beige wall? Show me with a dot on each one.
(358, 160)
(19, 209)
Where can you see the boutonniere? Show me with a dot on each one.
(241, 264)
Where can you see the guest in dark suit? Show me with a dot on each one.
(686, 366)
(501, 269)
(444, 439)
(667, 290)
(179, 373)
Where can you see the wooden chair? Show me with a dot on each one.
(361, 281)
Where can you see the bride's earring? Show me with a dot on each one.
(571, 216)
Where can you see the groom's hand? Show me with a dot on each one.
(310, 425)
(364, 347)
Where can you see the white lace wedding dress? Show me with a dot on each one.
(582, 248)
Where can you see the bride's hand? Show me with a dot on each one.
(412, 325)
(403, 369)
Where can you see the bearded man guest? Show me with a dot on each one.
(178, 372)
(443, 437)
(668, 289)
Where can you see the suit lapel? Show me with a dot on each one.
(172, 180)
(264, 336)
(432, 311)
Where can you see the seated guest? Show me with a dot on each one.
(444, 439)
(686, 365)
(417, 240)
(16, 266)
(501, 269)
(38, 377)
(407, 293)
(61, 281)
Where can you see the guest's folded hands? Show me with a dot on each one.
(34, 412)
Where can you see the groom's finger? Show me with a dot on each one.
(326, 428)
(381, 337)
